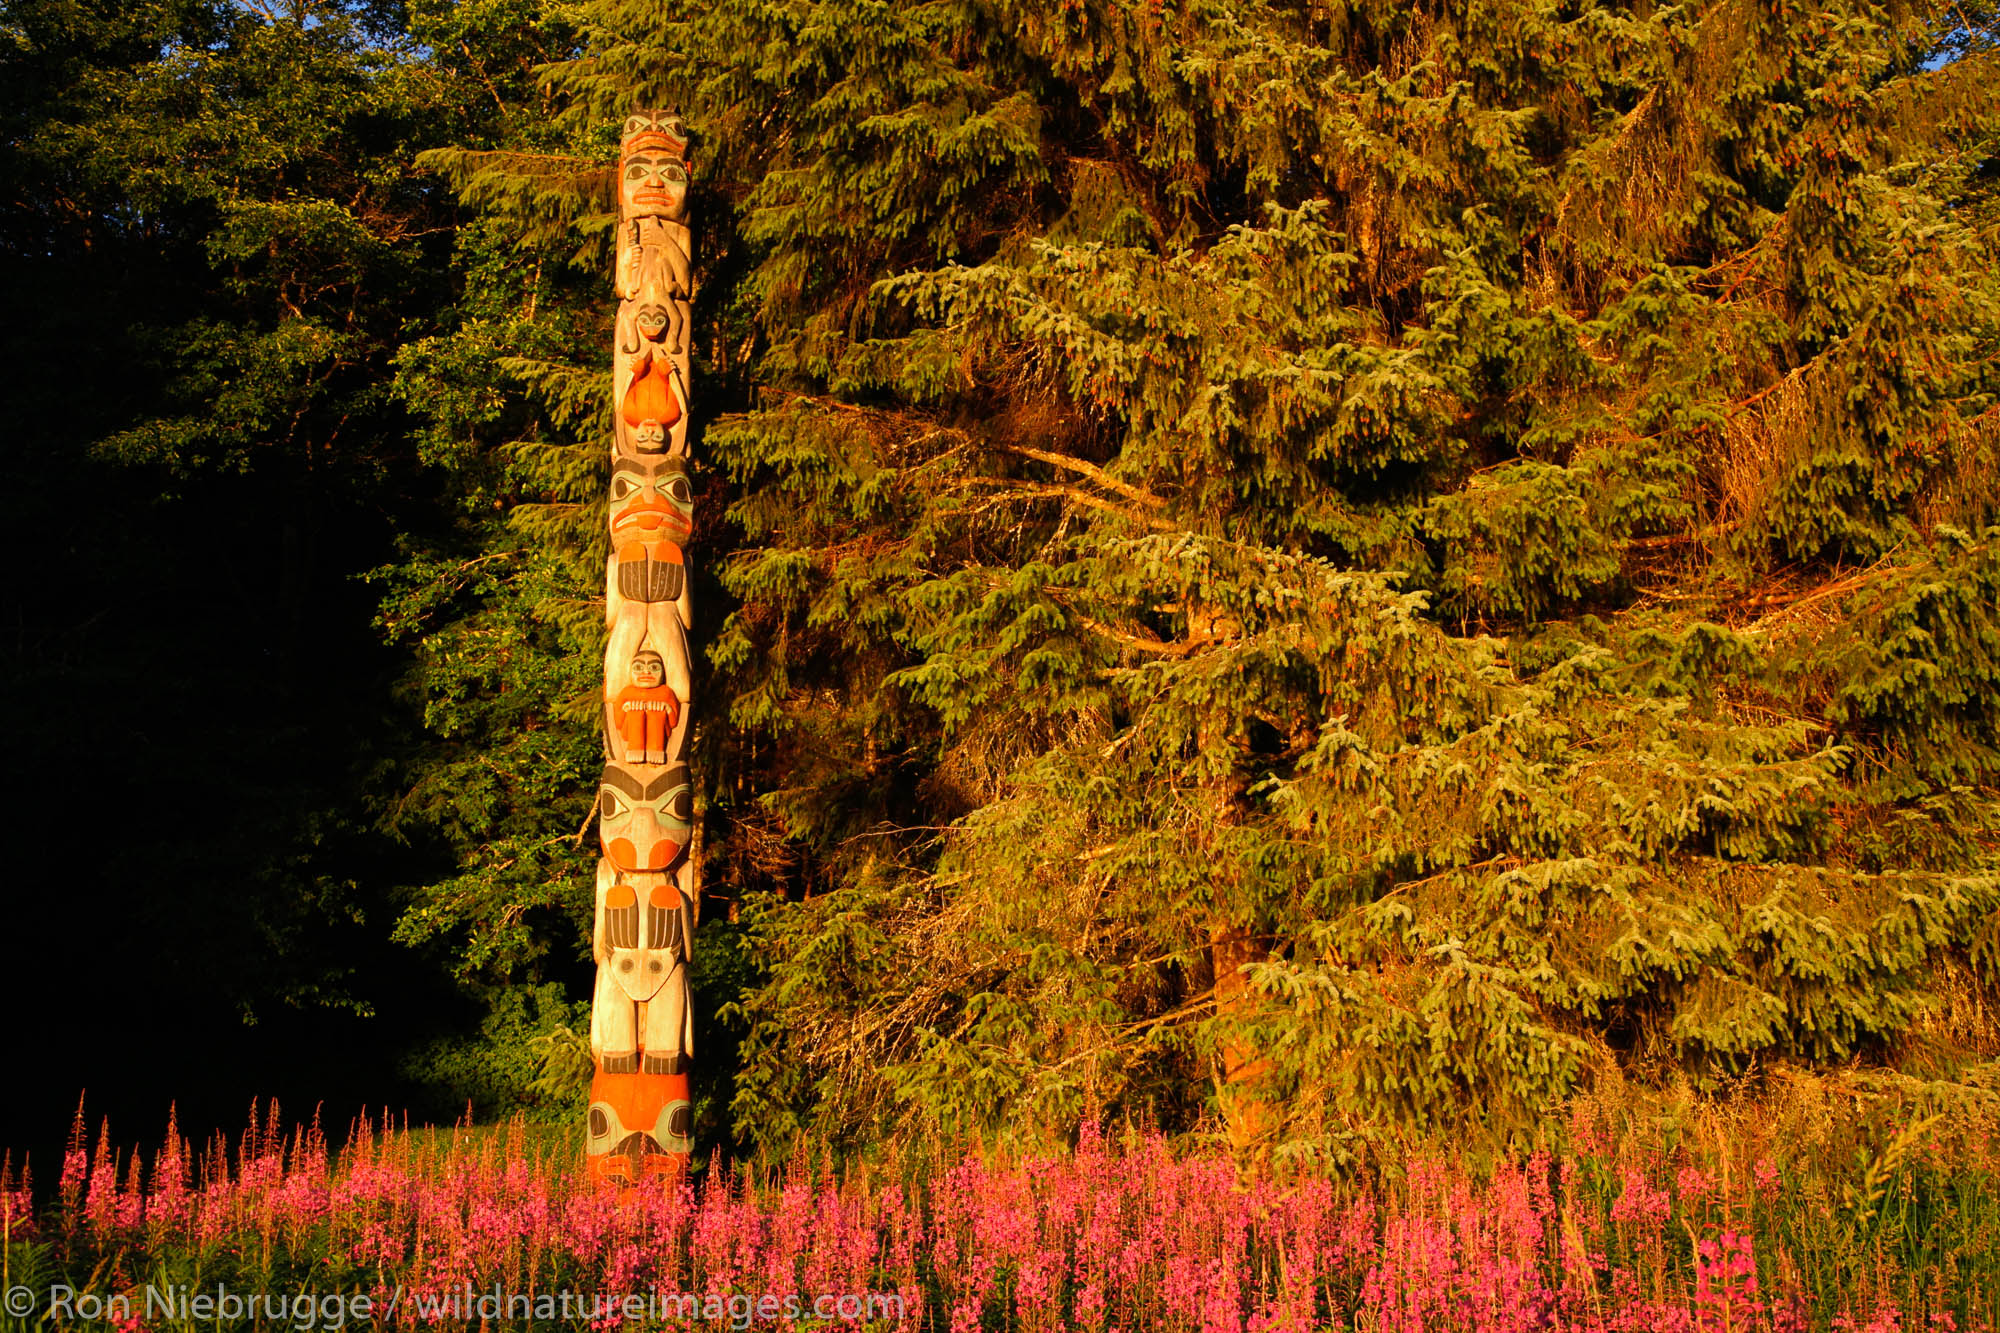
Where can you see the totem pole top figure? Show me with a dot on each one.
(652, 175)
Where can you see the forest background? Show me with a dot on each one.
(1329, 569)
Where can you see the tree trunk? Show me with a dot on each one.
(1250, 1119)
(1232, 943)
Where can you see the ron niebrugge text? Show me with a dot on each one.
(332, 1310)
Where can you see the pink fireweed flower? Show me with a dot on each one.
(130, 1208)
(17, 1199)
(169, 1203)
(1765, 1173)
(1886, 1319)
(1726, 1283)
(1640, 1201)
(100, 1198)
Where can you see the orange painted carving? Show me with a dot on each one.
(647, 711)
(652, 402)
(652, 512)
(640, 1126)
(655, 129)
(651, 500)
(645, 815)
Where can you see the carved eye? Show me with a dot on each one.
(680, 805)
(622, 486)
(672, 125)
(610, 804)
(633, 124)
(636, 172)
(625, 965)
(600, 1124)
(679, 491)
(673, 171)
(654, 966)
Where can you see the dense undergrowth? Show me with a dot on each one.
(1847, 1203)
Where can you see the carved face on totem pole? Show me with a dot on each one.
(651, 501)
(651, 321)
(655, 129)
(645, 815)
(652, 168)
(654, 185)
(638, 1126)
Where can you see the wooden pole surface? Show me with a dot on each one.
(641, 1025)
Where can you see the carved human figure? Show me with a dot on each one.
(652, 217)
(652, 407)
(639, 627)
(646, 712)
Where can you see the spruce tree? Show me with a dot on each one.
(1341, 565)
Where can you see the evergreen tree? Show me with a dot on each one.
(216, 243)
(1346, 565)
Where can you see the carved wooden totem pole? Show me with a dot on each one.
(641, 1028)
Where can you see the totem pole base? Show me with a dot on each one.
(641, 1128)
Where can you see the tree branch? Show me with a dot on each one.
(1090, 470)
(1042, 490)
(1164, 647)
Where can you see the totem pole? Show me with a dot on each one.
(641, 1028)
